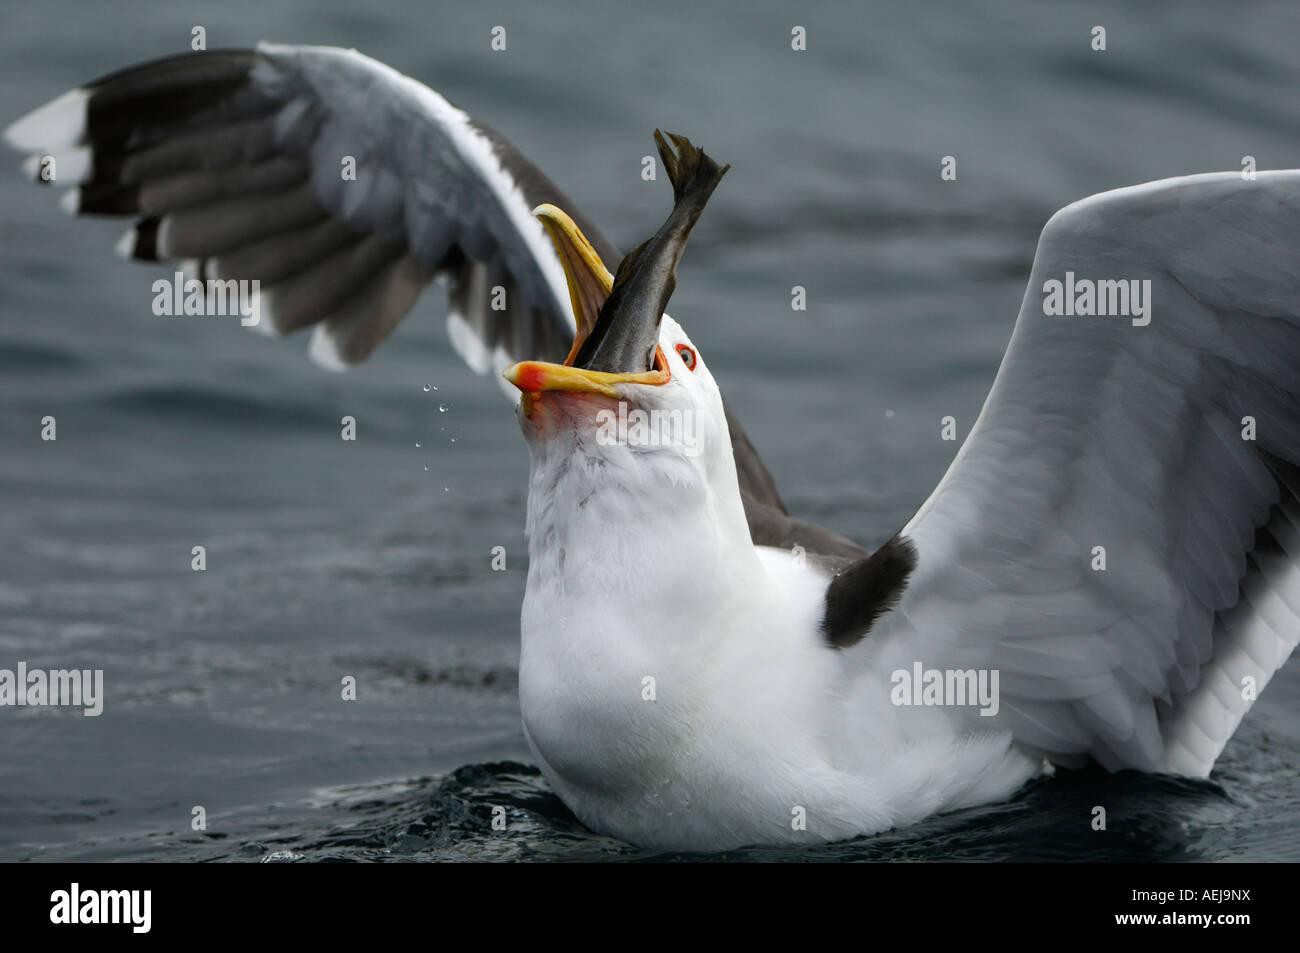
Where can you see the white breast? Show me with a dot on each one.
(692, 703)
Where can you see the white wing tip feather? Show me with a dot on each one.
(265, 325)
(72, 165)
(60, 122)
(500, 361)
(324, 351)
(467, 345)
(125, 246)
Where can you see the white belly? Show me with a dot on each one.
(743, 731)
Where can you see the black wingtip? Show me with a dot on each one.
(145, 247)
(108, 198)
(860, 594)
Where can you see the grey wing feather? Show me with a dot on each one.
(1119, 537)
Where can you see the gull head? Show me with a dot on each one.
(634, 388)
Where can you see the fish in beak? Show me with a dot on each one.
(618, 316)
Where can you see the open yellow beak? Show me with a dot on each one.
(533, 377)
(590, 283)
(589, 280)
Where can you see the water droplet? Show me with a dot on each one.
(417, 443)
(427, 388)
(446, 489)
(453, 439)
(442, 408)
(426, 468)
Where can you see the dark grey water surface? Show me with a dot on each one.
(328, 558)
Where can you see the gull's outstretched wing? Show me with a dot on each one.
(238, 163)
(233, 162)
(1119, 536)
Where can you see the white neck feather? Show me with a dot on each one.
(648, 525)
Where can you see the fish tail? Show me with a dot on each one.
(694, 175)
